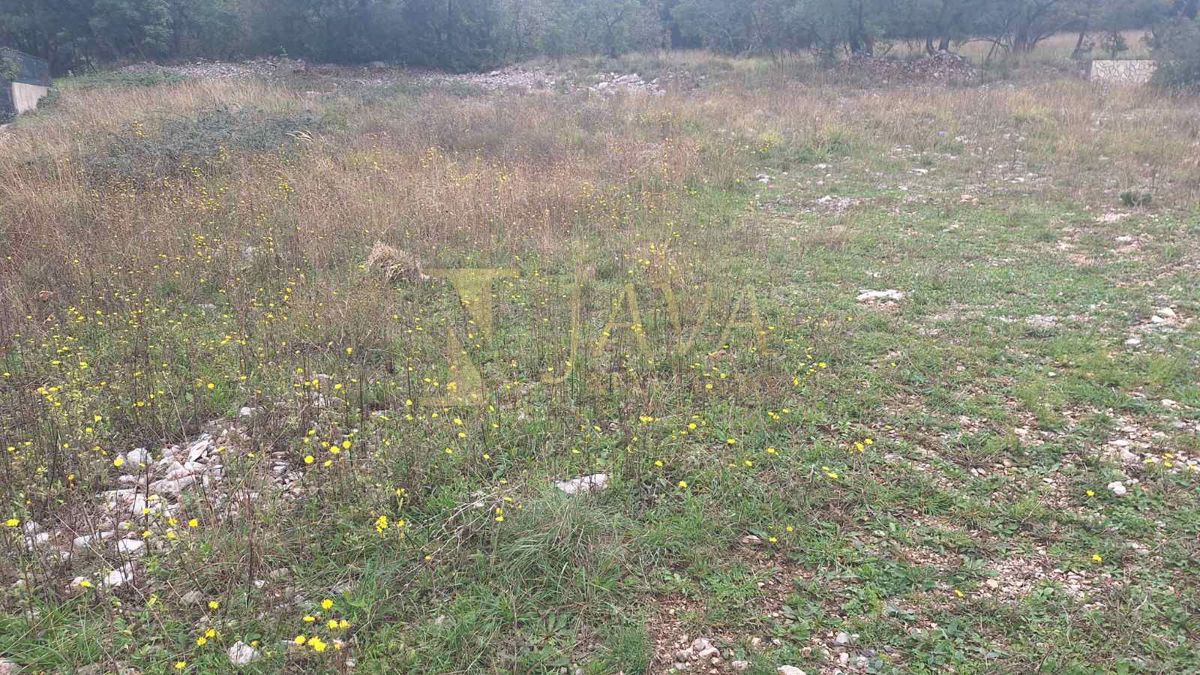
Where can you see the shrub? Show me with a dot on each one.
(1133, 198)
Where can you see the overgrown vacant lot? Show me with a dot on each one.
(248, 395)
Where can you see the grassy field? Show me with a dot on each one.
(361, 326)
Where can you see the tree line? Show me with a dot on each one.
(478, 34)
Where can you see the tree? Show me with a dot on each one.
(130, 28)
(715, 24)
(205, 27)
(455, 34)
(474, 34)
(57, 30)
(1177, 51)
(1020, 25)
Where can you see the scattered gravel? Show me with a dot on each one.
(157, 486)
(1041, 322)
(222, 70)
(890, 295)
(541, 80)
(518, 78)
(835, 205)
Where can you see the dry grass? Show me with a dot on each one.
(441, 173)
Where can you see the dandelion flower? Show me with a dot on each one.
(326, 603)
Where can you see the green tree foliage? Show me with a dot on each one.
(130, 28)
(1177, 50)
(475, 34)
(205, 28)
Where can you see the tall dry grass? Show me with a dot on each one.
(451, 176)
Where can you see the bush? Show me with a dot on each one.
(1177, 51)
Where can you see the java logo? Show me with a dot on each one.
(589, 342)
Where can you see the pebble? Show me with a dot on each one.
(592, 483)
(87, 539)
(889, 295)
(130, 546)
(118, 577)
(789, 670)
(137, 457)
(241, 653)
(1041, 321)
(1117, 488)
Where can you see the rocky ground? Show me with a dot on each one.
(519, 78)
(939, 67)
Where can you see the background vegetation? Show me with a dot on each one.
(476, 34)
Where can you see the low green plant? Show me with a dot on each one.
(1134, 198)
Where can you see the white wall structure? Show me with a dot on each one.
(1123, 72)
(25, 97)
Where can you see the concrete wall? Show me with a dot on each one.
(25, 97)
(1122, 72)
